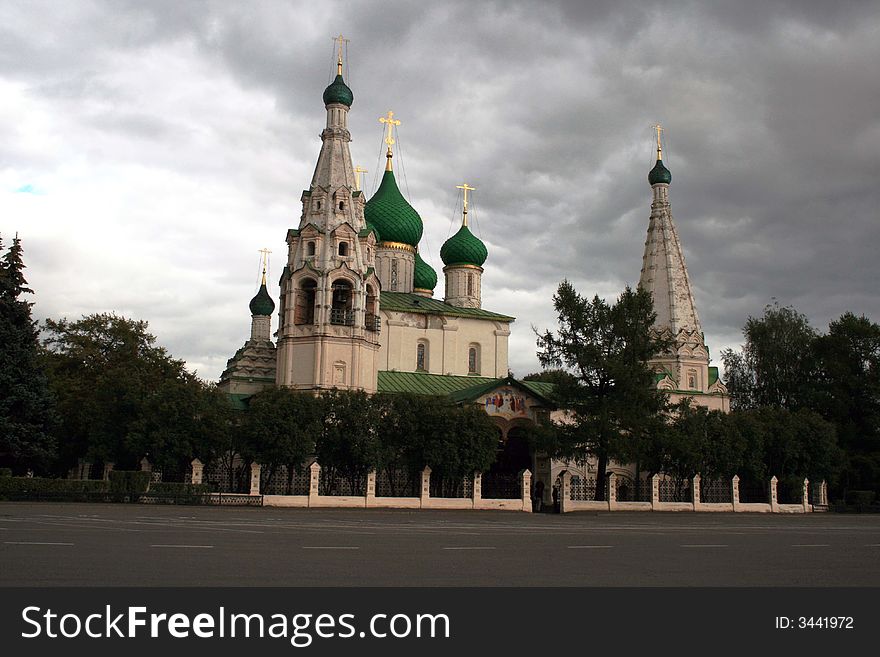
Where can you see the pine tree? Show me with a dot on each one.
(26, 406)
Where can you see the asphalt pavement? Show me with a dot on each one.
(49, 544)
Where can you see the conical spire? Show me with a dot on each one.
(664, 272)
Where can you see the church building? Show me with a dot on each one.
(357, 308)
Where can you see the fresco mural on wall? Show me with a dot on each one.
(507, 403)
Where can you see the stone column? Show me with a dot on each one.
(774, 499)
(108, 468)
(478, 489)
(526, 478)
(146, 466)
(655, 492)
(85, 469)
(612, 491)
(371, 488)
(734, 492)
(695, 491)
(425, 492)
(805, 500)
(314, 476)
(197, 472)
(564, 491)
(823, 494)
(255, 478)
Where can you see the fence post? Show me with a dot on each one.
(564, 491)
(197, 471)
(425, 493)
(108, 468)
(314, 476)
(695, 491)
(525, 478)
(655, 493)
(734, 493)
(146, 466)
(255, 478)
(371, 488)
(805, 499)
(823, 493)
(478, 489)
(774, 497)
(612, 491)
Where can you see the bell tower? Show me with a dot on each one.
(329, 312)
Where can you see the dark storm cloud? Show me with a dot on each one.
(770, 110)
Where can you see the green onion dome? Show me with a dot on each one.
(424, 276)
(463, 248)
(338, 92)
(391, 215)
(262, 304)
(659, 174)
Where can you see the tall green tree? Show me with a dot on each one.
(120, 396)
(27, 414)
(348, 444)
(777, 365)
(610, 396)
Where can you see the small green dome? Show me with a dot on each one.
(338, 92)
(659, 174)
(424, 276)
(463, 248)
(262, 304)
(391, 215)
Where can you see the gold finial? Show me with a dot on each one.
(340, 40)
(357, 177)
(659, 129)
(466, 188)
(389, 122)
(264, 260)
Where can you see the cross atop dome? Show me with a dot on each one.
(390, 123)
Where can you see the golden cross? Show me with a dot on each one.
(340, 40)
(357, 177)
(659, 129)
(466, 188)
(390, 122)
(264, 259)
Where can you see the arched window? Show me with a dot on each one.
(422, 357)
(474, 359)
(371, 318)
(304, 309)
(692, 380)
(310, 249)
(342, 205)
(394, 275)
(343, 248)
(470, 285)
(341, 310)
(319, 204)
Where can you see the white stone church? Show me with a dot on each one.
(357, 308)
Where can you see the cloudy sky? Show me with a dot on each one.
(148, 149)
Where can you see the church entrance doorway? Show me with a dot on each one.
(514, 455)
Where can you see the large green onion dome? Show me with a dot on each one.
(262, 304)
(391, 215)
(338, 92)
(424, 276)
(463, 248)
(659, 174)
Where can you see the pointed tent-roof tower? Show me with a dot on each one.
(685, 368)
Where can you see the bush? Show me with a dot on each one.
(65, 490)
(861, 497)
(129, 482)
(5, 472)
(177, 493)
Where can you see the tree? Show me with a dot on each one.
(849, 395)
(279, 428)
(27, 415)
(610, 397)
(777, 366)
(348, 445)
(120, 396)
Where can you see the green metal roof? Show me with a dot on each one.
(338, 92)
(463, 248)
(713, 375)
(413, 303)
(659, 174)
(262, 304)
(424, 276)
(239, 401)
(421, 383)
(391, 215)
(541, 391)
